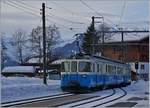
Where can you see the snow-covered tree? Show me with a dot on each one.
(88, 40)
(92, 37)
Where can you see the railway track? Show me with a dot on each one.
(68, 100)
(100, 101)
(24, 101)
(97, 99)
(111, 100)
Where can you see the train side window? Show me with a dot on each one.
(103, 67)
(119, 70)
(65, 66)
(142, 67)
(73, 66)
(113, 69)
(126, 71)
(94, 69)
(84, 66)
(109, 69)
(116, 70)
(98, 67)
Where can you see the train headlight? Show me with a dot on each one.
(84, 75)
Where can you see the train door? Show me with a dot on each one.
(97, 74)
(94, 74)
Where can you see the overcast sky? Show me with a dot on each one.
(68, 14)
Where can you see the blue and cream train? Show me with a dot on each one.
(88, 72)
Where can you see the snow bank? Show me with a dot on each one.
(19, 69)
(138, 87)
(16, 88)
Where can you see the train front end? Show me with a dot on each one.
(76, 75)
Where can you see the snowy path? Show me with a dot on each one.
(16, 88)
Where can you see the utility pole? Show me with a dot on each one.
(44, 45)
(122, 46)
(94, 34)
(93, 27)
(103, 38)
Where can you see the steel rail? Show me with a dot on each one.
(125, 93)
(24, 101)
(74, 101)
(83, 103)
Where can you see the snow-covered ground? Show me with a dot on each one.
(138, 89)
(15, 88)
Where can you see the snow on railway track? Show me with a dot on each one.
(100, 101)
(93, 100)
(23, 101)
(72, 100)
(112, 99)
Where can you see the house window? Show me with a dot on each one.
(142, 66)
(116, 49)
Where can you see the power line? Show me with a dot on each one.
(21, 8)
(66, 20)
(31, 11)
(91, 8)
(122, 12)
(95, 11)
(69, 11)
(27, 5)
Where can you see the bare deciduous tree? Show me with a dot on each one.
(52, 37)
(3, 51)
(19, 37)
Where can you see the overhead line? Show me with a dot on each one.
(23, 5)
(69, 21)
(69, 11)
(94, 10)
(122, 12)
(90, 8)
(27, 5)
(8, 3)
(24, 9)
(75, 22)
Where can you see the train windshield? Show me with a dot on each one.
(65, 66)
(85, 66)
(73, 66)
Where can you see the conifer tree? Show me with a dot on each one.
(88, 40)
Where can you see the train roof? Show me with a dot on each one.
(88, 56)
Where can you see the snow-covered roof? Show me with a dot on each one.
(19, 69)
(57, 61)
(33, 60)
